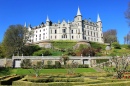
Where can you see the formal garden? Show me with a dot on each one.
(68, 74)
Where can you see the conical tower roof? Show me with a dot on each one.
(78, 12)
(98, 18)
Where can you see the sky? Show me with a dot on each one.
(34, 12)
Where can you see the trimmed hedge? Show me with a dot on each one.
(25, 83)
(45, 80)
(9, 80)
(40, 80)
(68, 80)
(122, 83)
(58, 65)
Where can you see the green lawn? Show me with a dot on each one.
(50, 71)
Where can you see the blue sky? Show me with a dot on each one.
(35, 11)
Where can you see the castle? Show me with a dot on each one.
(77, 30)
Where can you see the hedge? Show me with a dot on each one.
(122, 83)
(68, 80)
(45, 80)
(40, 79)
(25, 83)
(9, 80)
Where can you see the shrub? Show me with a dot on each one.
(83, 66)
(26, 63)
(49, 66)
(57, 64)
(116, 45)
(44, 52)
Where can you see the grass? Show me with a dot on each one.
(21, 71)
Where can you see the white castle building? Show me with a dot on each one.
(77, 30)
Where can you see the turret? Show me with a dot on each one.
(47, 21)
(99, 23)
(25, 25)
(78, 21)
(29, 27)
(99, 28)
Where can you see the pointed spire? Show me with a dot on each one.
(98, 18)
(78, 12)
(25, 24)
(47, 18)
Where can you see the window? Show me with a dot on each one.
(94, 34)
(97, 34)
(51, 31)
(51, 37)
(63, 24)
(71, 31)
(39, 35)
(88, 27)
(36, 31)
(85, 38)
(72, 37)
(55, 31)
(43, 33)
(43, 37)
(55, 37)
(64, 30)
(66, 36)
(36, 39)
(76, 31)
(91, 33)
(39, 38)
(36, 35)
(40, 30)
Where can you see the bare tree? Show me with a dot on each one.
(127, 14)
(110, 36)
(121, 65)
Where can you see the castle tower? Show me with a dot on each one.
(78, 20)
(47, 29)
(99, 28)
